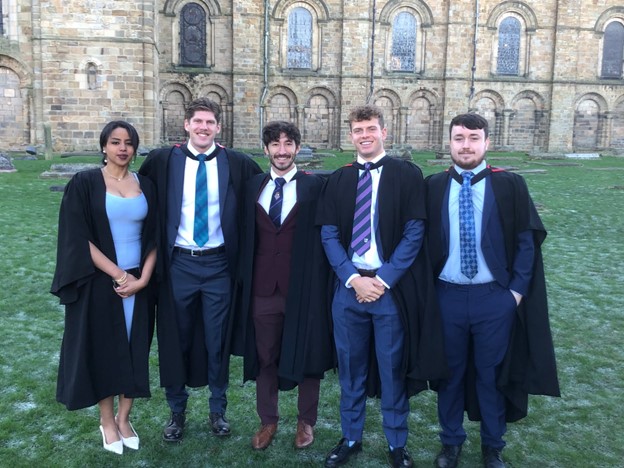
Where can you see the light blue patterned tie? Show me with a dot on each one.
(200, 228)
(360, 238)
(467, 236)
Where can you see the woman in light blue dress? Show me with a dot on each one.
(105, 259)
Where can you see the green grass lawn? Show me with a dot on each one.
(582, 206)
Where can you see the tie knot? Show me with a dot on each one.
(202, 157)
(467, 176)
(367, 166)
(279, 182)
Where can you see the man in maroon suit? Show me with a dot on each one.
(284, 331)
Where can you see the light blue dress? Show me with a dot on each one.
(125, 216)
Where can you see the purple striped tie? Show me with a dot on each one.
(360, 239)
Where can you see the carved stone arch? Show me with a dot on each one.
(319, 8)
(491, 105)
(511, 6)
(526, 126)
(388, 94)
(539, 101)
(489, 94)
(390, 103)
(18, 120)
(173, 7)
(174, 97)
(320, 118)
(289, 93)
(420, 8)
(616, 12)
(600, 101)
(281, 104)
(422, 119)
(89, 73)
(328, 94)
(616, 140)
(220, 96)
(23, 71)
(589, 129)
(431, 96)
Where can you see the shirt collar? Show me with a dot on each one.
(287, 177)
(475, 171)
(375, 160)
(194, 152)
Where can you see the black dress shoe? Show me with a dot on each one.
(448, 456)
(492, 457)
(175, 428)
(220, 425)
(340, 454)
(399, 458)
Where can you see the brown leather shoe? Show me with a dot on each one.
(262, 439)
(304, 436)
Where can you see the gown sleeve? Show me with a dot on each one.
(74, 265)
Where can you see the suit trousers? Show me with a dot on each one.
(356, 327)
(201, 293)
(268, 317)
(478, 316)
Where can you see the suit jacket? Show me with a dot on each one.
(400, 203)
(165, 167)
(307, 345)
(511, 225)
(273, 253)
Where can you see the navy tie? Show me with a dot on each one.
(275, 209)
(467, 235)
(360, 238)
(200, 228)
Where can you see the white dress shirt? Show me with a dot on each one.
(187, 217)
(289, 193)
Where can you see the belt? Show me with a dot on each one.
(199, 252)
(367, 273)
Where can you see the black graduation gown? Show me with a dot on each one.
(529, 366)
(96, 359)
(176, 369)
(307, 345)
(400, 199)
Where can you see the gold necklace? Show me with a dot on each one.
(118, 179)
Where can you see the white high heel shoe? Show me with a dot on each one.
(130, 442)
(115, 447)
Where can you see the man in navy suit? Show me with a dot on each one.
(372, 216)
(484, 236)
(200, 186)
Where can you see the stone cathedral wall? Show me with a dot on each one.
(68, 66)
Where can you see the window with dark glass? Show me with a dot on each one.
(508, 47)
(1, 20)
(613, 51)
(299, 53)
(403, 55)
(193, 35)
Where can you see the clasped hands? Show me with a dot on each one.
(130, 286)
(367, 289)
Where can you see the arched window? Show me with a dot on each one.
(92, 76)
(193, 35)
(613, 51)
(403, 54)
(299, 54)
(508, 47)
